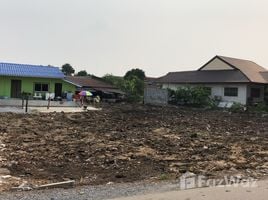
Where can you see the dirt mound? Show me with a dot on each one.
(125, 143)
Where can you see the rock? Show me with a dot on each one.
(4, 171)
(265, 166)
(5, 177)
(188, 175)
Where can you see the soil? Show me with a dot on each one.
(127, 143)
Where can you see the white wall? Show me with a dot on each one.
(218, 90)
(217, 64)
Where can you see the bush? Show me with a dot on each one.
(132, 85)
(237, 107)
(260, 107)
(193, 96)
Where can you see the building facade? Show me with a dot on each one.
(228, 79)
(36, 80)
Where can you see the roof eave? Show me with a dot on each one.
(231, 82)
(27, 76)
(75, 84)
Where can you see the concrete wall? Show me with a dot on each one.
(218, 90)
(27, 85)
(36, 103)
(155, 96)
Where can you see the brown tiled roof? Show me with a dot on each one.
(244, 71)
(247, 67)
(87, 81)
(110, 90)
(211, 76)
(150, 79)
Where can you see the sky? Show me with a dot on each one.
(114, 36)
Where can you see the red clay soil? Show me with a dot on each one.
(125, 143)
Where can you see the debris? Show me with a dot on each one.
(23, 187)
(65, 184)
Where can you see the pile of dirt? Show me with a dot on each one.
(124, 143)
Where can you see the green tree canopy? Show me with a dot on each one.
(114, 80)
(67, 69)
(132, 83)
(139, 73)
(82, 73)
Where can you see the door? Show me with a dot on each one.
(58, 89)
(15, 88)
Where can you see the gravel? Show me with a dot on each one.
(108, 191)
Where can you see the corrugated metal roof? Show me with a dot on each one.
(25, 70)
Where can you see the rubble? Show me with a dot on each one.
(125, 143)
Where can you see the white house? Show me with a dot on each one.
(229, 79)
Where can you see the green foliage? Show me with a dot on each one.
(260, 107)
(164, 177)
(132, 84)
(193, 96)
(82, 73)
(136, 73)
(67, 69)
(134, 88)
(237, 107)
(114, 80)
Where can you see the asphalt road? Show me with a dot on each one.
(144, 191)
(219, 193)
(91, 192)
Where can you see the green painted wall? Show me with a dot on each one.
(27, 85)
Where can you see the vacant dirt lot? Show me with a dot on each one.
(126, 143)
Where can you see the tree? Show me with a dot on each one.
(67, 69)
(132, 84)
(135, 72)
(114, 80)
(134, 87)
(82, 73)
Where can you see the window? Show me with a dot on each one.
(231, 92)
(41, 87)
(45, 87)
(255, 92)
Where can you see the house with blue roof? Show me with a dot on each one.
(37, 80)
